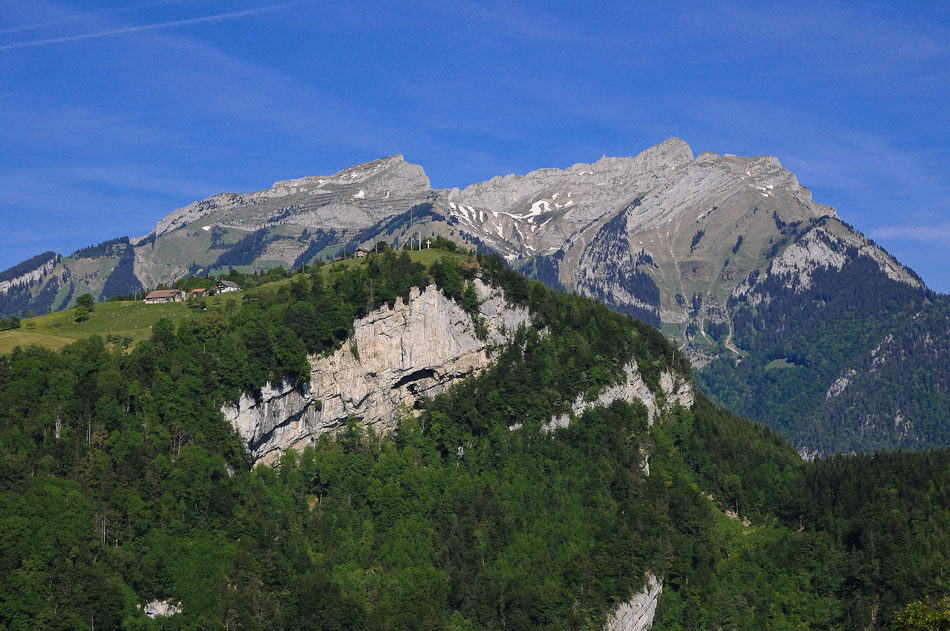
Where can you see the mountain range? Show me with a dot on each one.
(791, 315)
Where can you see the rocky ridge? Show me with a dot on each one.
(822, 248)
(354, 197)
(30, 276)
(645, 234)
(540, 211)
(395, 357)
(693, 245)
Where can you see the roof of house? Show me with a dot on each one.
(199, 290)
(228, 283)
(162, 293)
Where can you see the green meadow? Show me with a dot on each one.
(132, 321)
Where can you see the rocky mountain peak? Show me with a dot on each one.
(388, 177)
(669, 154)
(764, 175)
(378, 184)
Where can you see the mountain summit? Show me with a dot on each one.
(354, 197)
(793, 316)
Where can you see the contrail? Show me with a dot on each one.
(82, 16)
(142, 27)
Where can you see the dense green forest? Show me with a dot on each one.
(885, 343)
(121, 483)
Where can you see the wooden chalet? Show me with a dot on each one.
(160, 296)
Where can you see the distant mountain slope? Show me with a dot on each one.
(848, 359)
(724, 253)
(50, 282)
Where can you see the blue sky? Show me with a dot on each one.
(113, 114)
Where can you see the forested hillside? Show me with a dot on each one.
(120, 483)
(855, 361)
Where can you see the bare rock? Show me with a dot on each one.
(161, 608)
(673, 390)
(394, 358)
(354, 197)
(637, 613)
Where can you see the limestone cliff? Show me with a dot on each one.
(394, 358)
(674, 390)
(637, 613)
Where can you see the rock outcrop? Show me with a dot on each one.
(674, 390)
(161, 608)
(394, 358)
(637, 613)
(29, 276)
(822, 248)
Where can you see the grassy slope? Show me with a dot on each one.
(134, 319)
(131, 319)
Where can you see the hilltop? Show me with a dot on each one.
(790, 314)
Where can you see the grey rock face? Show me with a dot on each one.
(28, 277)
(675, 390)
(541, 211)
(637, 613)
(161, 608)
(394, 358)
(645, 234)
(354, 197)
(820, 248)
(613, 229)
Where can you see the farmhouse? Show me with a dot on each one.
(201, 292)
(160, 296)
(361, 253)
(224, 286)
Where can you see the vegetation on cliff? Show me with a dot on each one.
(120, 483)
